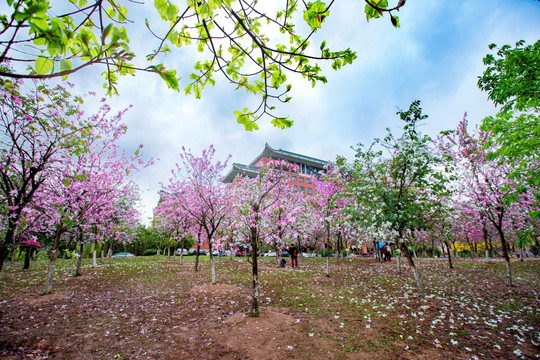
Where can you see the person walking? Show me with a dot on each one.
(294, 256)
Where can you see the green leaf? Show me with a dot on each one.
(282, 123)
(172, 11)
(65, 65)
(44, 65)
(40, 41)
(111, 12)
(106, 32)
(66, 182)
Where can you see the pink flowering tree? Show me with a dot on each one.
(62, 165)
(84, 191)
(205, 198)
(486, 181)
(257, 201)
(168, 218)
(282, 225)
(329, 206)
(39, 126)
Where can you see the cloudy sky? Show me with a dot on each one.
(436, 57)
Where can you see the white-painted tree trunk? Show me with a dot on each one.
(419, 288)
(212, 263)
(50, 274)
(327, 266)
(509, 274)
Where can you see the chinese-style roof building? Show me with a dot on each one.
(300, 181)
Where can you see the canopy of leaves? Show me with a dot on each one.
(238, 39)
(512, 77)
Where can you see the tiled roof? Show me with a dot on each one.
(240, 169)
(269, 152)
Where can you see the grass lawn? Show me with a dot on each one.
(157, 308)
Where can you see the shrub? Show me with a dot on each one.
(150, 252)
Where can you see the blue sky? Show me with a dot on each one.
(436, 57)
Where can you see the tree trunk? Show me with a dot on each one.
(327, 270)
(197, 257)
(3, 254)
(94, 250)
(14, 248)
(50, 273)
(450, 265)
(27, 255)
(255, 274)
(182, 251)
(79, 260)
(212, 264)
(327, 247)
(505, 255)
(405, 249)
(338, 245)
(50, 270)
(110, 249)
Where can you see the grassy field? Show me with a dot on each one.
(156, 308)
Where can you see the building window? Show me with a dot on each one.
(295, 188)
(302, 190)
(301, 179)
(308, 181)
(293, 178)
(309, 191)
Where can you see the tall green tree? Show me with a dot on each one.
(512, 80)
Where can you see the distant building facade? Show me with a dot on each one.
(300, 181)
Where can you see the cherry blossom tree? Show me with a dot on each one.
(38, 126)
(173, 221)
(60, 164)
(486, 182)
(256, 201)
(206, 199)
(90, 189)
(329, 205)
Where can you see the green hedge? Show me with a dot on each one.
(149, 252)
